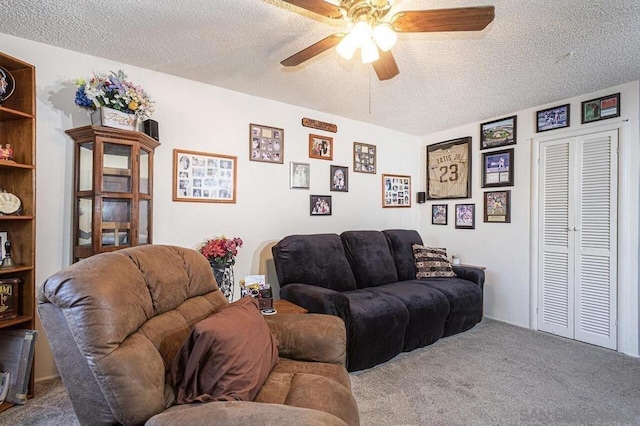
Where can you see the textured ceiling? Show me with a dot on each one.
(534, 52)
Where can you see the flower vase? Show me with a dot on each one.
(108, 117)
(224, 278)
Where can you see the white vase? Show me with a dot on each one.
(108, 117)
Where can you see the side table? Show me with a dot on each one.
(285, 307)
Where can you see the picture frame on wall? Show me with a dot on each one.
(497, 206)
(320, 147)
(299, 175)
(320, 205)
(449, 169)
(396, 190)
(465, 216)
(497, 133)
(339, 178)
(497, 168)
(204, 177)
(266, 144)
(553, 118)
(364, 158)
(601, 108)
(439, 214)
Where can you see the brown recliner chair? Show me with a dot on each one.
(116, 320)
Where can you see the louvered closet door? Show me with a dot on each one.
(596, 239)
(578, 250)
(556, 292)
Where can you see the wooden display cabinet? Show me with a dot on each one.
(18, 177)
(113, 187)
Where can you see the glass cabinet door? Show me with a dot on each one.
(116, 222)
(85, 221)
(116, 168)
(143, 221)
(85, 167)
(145, 159)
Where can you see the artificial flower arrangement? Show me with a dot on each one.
(113, 91)
(221, 251)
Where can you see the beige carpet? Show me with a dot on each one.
(494, 374)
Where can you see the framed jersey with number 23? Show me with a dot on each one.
(449, 169)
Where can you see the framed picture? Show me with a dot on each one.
(266, 144)
(339, 179)
(449, 169)
(601, 108)
(439, 214)
(465, 216)
(497, 206)
(498, 133)
(299, 175)
(320, 205)
(497, 168)
(205, 177)
(3, 239)
(396, 191)
(364, 158)
(553, 118)
(320, 147)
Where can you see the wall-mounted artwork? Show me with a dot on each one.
(497, 206)
(601, 108)
(339, 178)
(396, 191)
(364, 158)
(465, 216)
(497, 168)
(320, 147)
(320, 205)
(266, 144)
(439, 214)
(299, 175)
(494, 134)
(204, 177)
(449, 169)
(553, 118)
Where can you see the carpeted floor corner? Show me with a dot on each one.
(494, 374)
(499, 374)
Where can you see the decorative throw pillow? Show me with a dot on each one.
(227, 356)
(432, 262)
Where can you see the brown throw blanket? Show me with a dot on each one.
(227, 356)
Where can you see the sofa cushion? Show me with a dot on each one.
(227, 356)
(377, 329)
(401, 242)
(428, 309)
(370, 258)
(432, 262)
(465, 302)
(318, 260)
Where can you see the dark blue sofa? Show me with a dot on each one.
(368, 278)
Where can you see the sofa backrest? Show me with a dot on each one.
(370, 258)
(317, 259)
(116, 320)
(401, 242)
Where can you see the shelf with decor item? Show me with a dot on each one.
(17, 196)
(113, 189)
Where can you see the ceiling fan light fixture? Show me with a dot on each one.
(356, 38)
(384, 36)
(370, 52)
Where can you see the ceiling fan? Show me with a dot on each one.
(374, 34)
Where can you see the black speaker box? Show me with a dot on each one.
(422, 197)
(151, 128)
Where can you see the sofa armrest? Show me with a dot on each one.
(318, 300)
(469, 273)
(310, 337)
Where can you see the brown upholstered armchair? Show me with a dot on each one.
(115, 322)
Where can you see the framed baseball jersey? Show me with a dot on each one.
(449, 169)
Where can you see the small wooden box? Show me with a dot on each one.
(9, 292)
(265, 303)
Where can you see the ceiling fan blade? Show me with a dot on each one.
(313, 50)
(386, 67)
(460, 19)
(320, 7)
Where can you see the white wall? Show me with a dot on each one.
(199, 117)
(505, 249)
